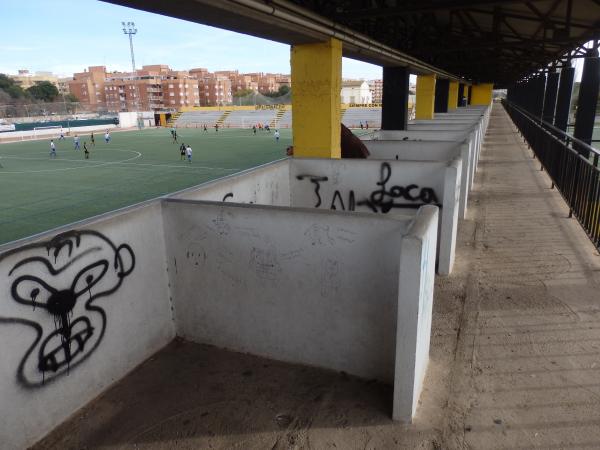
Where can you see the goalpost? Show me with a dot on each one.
(49, 130)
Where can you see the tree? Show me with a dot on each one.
(9, 86)
(283, 89)
(71, 98)
(43, 90)
(243, 93)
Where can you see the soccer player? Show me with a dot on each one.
(174, 135)
(107, 137)
(182, 151)
(76, 143)
(86, 151)
(92, 139)
(205, 129)
(276, 134)
(216, 127)
(361, 125)
(52, 149)
(188, 152)
(62, 135)
(254, 129)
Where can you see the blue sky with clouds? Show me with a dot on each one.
(66, 36)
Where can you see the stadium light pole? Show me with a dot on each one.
(130, 30)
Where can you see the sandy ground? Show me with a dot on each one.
(515, 356)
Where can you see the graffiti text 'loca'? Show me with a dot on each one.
(382, 199)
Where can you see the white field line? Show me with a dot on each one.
(95, 164)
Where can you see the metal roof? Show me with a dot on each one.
(479, 40)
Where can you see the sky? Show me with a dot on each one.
(66, 36)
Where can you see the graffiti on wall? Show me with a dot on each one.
(382, 199)
(55, 289)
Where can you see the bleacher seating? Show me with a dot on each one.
(196, 119)
(354, 116)
(286, 120)
(245, 119)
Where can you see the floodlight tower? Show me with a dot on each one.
(130, 30)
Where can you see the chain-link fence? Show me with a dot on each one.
(41, 110)
(256, 98)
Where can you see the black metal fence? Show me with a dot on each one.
(573, 167)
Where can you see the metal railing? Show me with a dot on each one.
(573, 167)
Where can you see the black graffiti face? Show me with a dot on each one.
(55, 286)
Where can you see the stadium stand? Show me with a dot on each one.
(245, 119)
(285, 121)
(195, 119)
(354, 116)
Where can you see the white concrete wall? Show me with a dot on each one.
(127, 306)
(406, 150)
(449, 222)
(399, 135)
(307, 286)
(265, 185)
(128, 119)
(53, 133)
(413, 337)
(360, 183)
(431, 126)
(458, 121)
(413, 150)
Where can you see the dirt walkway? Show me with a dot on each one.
(527, 371)
(515, 356)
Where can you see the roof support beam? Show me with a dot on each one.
(423, 7)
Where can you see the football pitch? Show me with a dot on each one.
(40, 193)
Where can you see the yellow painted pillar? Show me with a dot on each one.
(482, 94)
(453, 95)
(425, 97)
(316, 87)
(163, 120)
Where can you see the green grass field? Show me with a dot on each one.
(39, 193)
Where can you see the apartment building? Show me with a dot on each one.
(158, 87)
(215, 90)
(88, 87)
(26, 79)
(179, 89)
(376, 88)
(153, 88)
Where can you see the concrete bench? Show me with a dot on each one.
(344, 291)
(83, 305)
(398, 187)
(112, 271)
